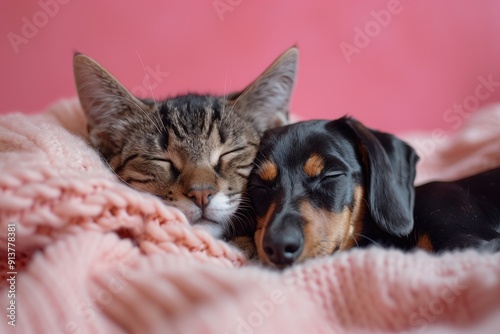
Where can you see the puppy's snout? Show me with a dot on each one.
(283, 247)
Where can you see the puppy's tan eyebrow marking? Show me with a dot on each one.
(268, 171)
(314, 165)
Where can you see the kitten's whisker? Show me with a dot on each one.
(236, 102)
(369, 239)
(118, 176)
(353, 238)
(147, 76)
(156, 105)
(225, 94)
(242, 219)
(144, 111)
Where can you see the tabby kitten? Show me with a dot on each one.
(193, 151)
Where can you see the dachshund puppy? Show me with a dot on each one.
(323, 186)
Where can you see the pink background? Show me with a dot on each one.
(418, 63)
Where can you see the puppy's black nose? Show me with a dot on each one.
(285, 246)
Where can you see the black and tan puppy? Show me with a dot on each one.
(323, 186)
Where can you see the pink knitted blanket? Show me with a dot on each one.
(90, 255)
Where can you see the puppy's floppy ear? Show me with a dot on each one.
(390, 166)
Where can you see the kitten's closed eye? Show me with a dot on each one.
(167, 165)
(194, 151)
(227, 156)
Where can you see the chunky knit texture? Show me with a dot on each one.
(95, 256)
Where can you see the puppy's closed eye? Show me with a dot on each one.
(327, 181)
(332, 175)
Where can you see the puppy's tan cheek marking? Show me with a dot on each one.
(424, 242)
(314, 165)
(324, 231)
(268, 171)
(261, 230)
(356, 219)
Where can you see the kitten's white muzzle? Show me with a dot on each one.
(216, 215)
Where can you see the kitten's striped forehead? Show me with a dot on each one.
(192, 115)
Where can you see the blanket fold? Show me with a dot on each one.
(95, 256)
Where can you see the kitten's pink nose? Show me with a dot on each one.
(201, 197)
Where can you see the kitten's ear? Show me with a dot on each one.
(266, 100)
(109, 107)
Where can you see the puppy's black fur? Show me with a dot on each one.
(323, 186)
